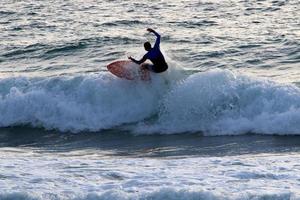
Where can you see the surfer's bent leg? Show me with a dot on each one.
(148, 66)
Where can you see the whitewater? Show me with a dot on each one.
(214, 102)
(222, 123)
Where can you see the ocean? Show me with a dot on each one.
(222, 123)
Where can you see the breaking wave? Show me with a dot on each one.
(214, 102)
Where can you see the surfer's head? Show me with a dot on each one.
(147, 46)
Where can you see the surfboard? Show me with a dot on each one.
(129, 70)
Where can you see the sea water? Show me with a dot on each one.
(221, 123)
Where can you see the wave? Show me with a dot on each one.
(163, 193)
(217, 102)
(223, 103)
(49, 51)
(123, 22)
(87, 102)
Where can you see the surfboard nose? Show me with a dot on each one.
(128, 70)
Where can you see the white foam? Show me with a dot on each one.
(221, 102)
(215, 102)
(79, 103)
(88, 174)
(161, 194)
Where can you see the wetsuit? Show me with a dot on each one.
(156, 57)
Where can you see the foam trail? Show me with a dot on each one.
(220, 102)
(160, 194)
(80, 103)
(215, 102)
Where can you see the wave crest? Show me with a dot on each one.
(215, 102)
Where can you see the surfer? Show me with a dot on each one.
(154, 55)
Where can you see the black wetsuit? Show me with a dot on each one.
(156, 57)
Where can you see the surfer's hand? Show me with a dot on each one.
(129, 57)
(150, 30)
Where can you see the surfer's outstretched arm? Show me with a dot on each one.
(157, 42)
(138, 61)
(153, 31)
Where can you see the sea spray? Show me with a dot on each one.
(214, 102)
(221, 102)
(89, 102)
